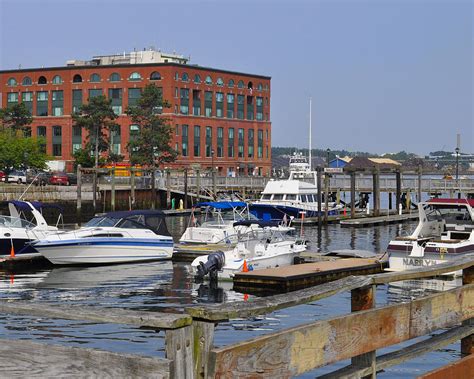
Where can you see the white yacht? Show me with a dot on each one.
(255, 250)
(445, 231)
(116, 237)
(24, 225)
(293, 196)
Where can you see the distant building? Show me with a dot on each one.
(339, 162)
(217, 116)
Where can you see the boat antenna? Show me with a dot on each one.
(309, 155)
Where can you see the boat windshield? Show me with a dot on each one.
(451, 214)
(102, 221)
(15, 222)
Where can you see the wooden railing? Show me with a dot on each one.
(189, 338)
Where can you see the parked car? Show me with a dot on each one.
(37, 178)
(17, 177)
(59, 178)
(2, 176)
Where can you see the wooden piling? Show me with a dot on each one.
(318, 183)
(153, 188)
(179, 350)
(326, 196)
(203, 342)
(420, 171)
(467, 343)
(185, 188)
(376, 191)
(168, 189)
(398, 179)
(353, 193)
(112, 190)
(132, 186)
(390, 205)
(198, 185)
(79, 195)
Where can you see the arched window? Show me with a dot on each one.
(219, 82)
(57, 80)
(208, 80)
(12, 82)
(27, 81)
(197, 79)
(240, 84)
(77, 78)
(266, 87)
(114, 77)
(259, 87)
(250, 85)
(176, 76)
(185, 77)
(155, 75)
(135, 76)
(231, 83)
(95, 78)
(42, 80)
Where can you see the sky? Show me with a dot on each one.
(383, 75)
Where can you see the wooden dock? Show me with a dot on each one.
(290, 278)
(380, 220)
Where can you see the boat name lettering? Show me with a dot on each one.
(418, 262)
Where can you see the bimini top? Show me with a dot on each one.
(446, 201)
(23, 205)
(222, 204)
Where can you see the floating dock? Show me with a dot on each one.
(371, 221)
(290, 278)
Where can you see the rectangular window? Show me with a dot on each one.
(196, 102)
(76, 100)
(259, 108)
(94, 93)
(197, 141)
(240, 106)
(115, 139)
(230, 105)
(260, 143)
(76, 138)
(115, 95)
(220, 142)
(251, 143)
(250, 108)
(41, 133)
(208, 141)
(57, 141)
(241, 143)
(230, 143)
(176, 130)
(42, 103)
(219, 104)
(184, 107)
(208, 104)
(12, 98)
(58, 103)
(184, 137)
(133, 96)
(27, 99)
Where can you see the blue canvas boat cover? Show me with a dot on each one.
(221, 204)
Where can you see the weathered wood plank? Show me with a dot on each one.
(463, 368)
(410, 352)
(40, 360)
(467, 343)
(296, 350)
(103, 315)
(271, 303)
(203, 335)
(179, 350)
(425, 272)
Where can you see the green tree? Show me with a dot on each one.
(152, 146)
(84, 158)
(16, 118)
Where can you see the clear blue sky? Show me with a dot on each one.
(385, 76)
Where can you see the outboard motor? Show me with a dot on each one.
(215, 262)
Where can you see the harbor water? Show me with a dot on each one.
(169, 287)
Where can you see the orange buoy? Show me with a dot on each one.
(12, 252)
(246, 297)
(245, 268)
(345, 211)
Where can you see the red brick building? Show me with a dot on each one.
(217, 115)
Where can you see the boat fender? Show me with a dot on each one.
(215, 262)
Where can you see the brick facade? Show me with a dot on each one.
(171, 82)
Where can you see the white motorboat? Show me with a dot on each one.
(294, 196)
(24, 225)
(116, 237)
(223, 222)
(254, 251)
(445, 231)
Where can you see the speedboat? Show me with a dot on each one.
(24, 225)
(255, 250)
(115, 237)
(222, 223)
(295, 197)
(445, 231)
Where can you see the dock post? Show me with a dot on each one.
(112, 190)
(168, 188)
(318, 183)
(198, 185)
(179, 350)
(132, 187)
(376, 189)
(185, 188)
(94, 188)
(398, 195)
(203, 336)
(390, 206)
(79, 195)
(326, 196)
(214, 186)
(363, 299)
(353, 193)
(467, 343)
(153, 188)
(418, 199)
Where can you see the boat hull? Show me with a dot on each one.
(277, 212)
(92, 251)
